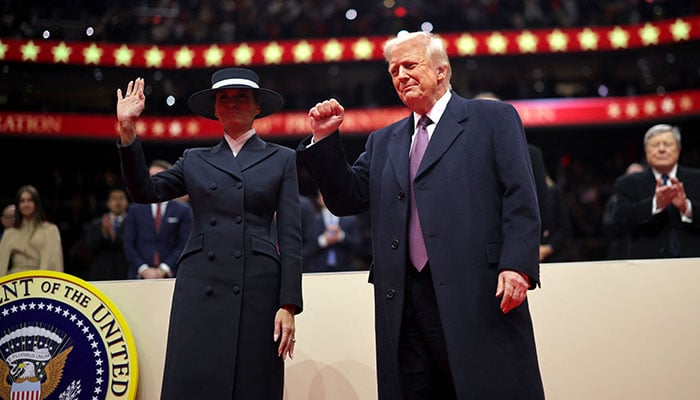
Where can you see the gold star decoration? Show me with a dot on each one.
(30, 51)
(363, 49)
(154, 57)
(333, 50)
(158, 128)
(667, 105)
(466, 45)
(588, 39)
(175, 128)
(213, 56)
(527, 42)
(649, 34)
(192, 128)
(619, 38)
(92, 54)
(140, 127)
(614, 111)
(557, 40)
(243, 54)
(123, 55)
(303, 52)
(680, 30)
(183, 57)
(497, 43)
(273, 53)
(61, 53)
(3, 50)
(649, 107)
(686, 103)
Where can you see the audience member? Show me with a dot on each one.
(555, 246)
(330, 242)
(104, 240)
(618, 239)
(656, 206)
(33, 242)
(8, 218)
(155, 234)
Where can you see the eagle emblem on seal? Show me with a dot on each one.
(34, 367)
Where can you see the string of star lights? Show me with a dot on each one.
(284, 52)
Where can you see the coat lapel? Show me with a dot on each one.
(254, 151)
(399, 146)
(222, 158)
(447, 130)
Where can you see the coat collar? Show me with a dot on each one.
(447, 130)
(254, 151)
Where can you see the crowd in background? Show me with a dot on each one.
(582, 163)
(203, 21)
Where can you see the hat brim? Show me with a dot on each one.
(202, 102)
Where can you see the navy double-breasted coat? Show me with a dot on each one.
(478, 209)
(234, 272)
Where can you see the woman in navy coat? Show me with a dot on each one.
(239, 284)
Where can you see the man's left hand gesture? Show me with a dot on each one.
(512, 286)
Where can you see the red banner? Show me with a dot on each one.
(536, 41)
(534, 113)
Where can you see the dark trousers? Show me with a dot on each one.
(423, 362)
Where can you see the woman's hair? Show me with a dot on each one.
(39, 215)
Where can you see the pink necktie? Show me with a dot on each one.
(416, 249)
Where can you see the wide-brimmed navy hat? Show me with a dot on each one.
(203, 101)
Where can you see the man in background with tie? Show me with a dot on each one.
(155, 234)
(657, 206)
(104, 241)
(455, 232)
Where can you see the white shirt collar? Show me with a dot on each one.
(671, 174)
(434, 113)
(237, 144)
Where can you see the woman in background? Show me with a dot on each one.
(33, 243)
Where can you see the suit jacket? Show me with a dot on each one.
(108, 258)
(315, 257)
(477, 204)
(650, 235)
(141, 239)
(234, 272)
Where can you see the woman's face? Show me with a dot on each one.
(26, 205)
(236, 109)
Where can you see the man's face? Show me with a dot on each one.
(8, 216)
(117, 202)
(662, 152)
(417, 82)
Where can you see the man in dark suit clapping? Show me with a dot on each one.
(656, 206)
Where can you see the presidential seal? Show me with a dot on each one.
(60, 338)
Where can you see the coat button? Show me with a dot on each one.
(208, 290)
(212, 186)
(395, 244)
(401, 195)
(239, 185)
(210, 255)
(212, 221)
(390, 294)
(237, 254)
(238, 219)
(236, 289)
